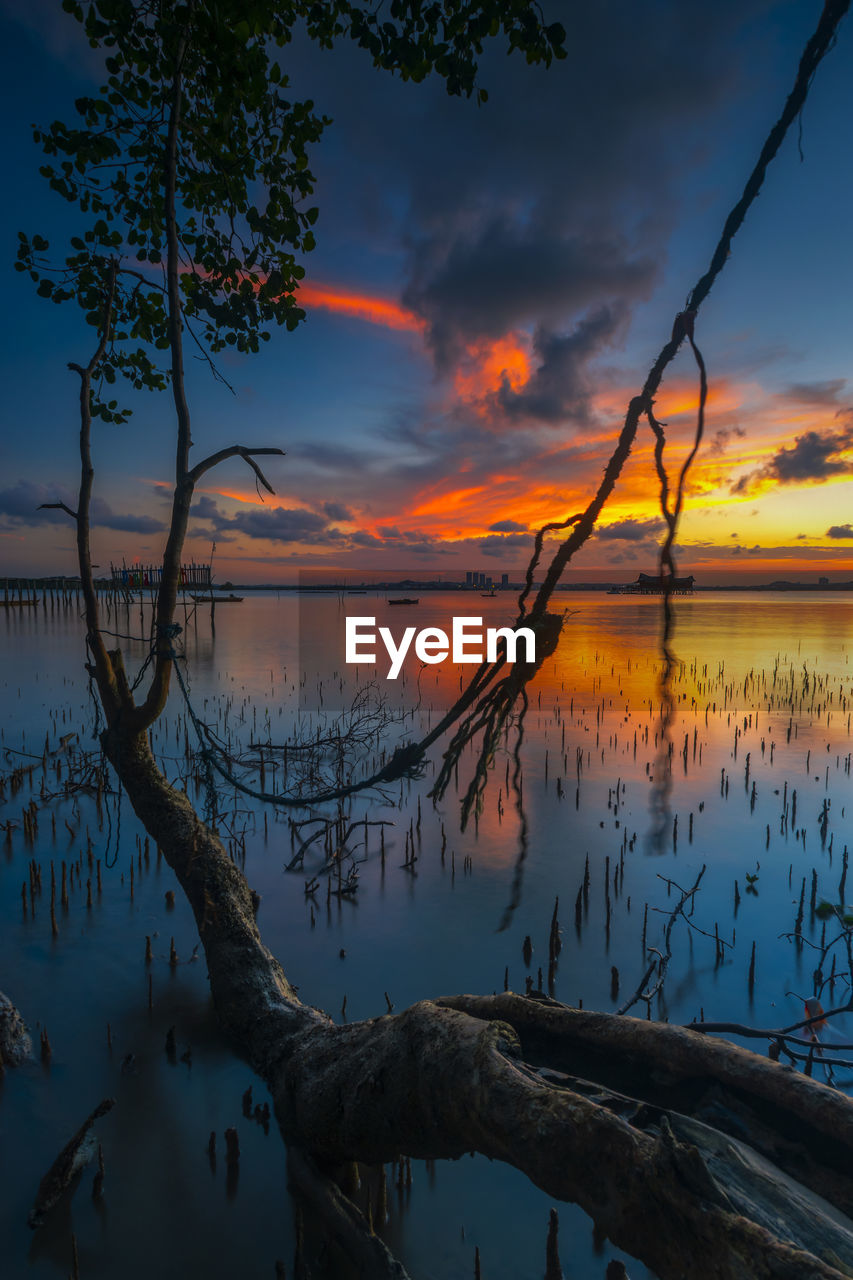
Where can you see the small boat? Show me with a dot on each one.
(488, 595)
(232, 599)
(405, 600)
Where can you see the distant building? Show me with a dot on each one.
(469, 578)
(504, 579)
(823, 582)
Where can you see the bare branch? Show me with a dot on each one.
(205, 355)
(662, 961)
(773, 1033)
(57, 506)
(235, 451)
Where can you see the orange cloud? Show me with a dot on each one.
(454, 500)
(238, 495)
(560, 476)
(362, 306)
(487, 365)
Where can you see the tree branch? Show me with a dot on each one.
(167, 595)
(103, 668)
(57, 506)
(641, 405)
(235, 451)
(662, 960)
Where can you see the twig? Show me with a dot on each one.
(661, 961)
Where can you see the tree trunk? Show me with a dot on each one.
(473, 1073)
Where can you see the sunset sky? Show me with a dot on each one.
(489, 288)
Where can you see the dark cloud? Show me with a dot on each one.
(429, 548)
(549, 209)
(722, 438)
(813, 457)
(414, 540)
(281, 524)
(101, 514)
(389, 538)
(509, 275)
(838, 531)
(631, 530)
(699, 53)
(555, 197)
(204, 508)
(560, 386)
(818, 393)
(311, 528)
(507, 526)
(500, 544)
(20, 503)
(337, 511)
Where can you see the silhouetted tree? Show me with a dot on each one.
(191, 169)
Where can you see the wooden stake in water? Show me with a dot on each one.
(553, 1270)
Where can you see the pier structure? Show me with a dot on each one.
(648, 584)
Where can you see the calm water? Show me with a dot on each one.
(773, 670)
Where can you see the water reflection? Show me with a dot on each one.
(758, 778)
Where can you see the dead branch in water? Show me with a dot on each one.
(661, 959)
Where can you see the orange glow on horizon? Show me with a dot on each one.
(558, 472)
